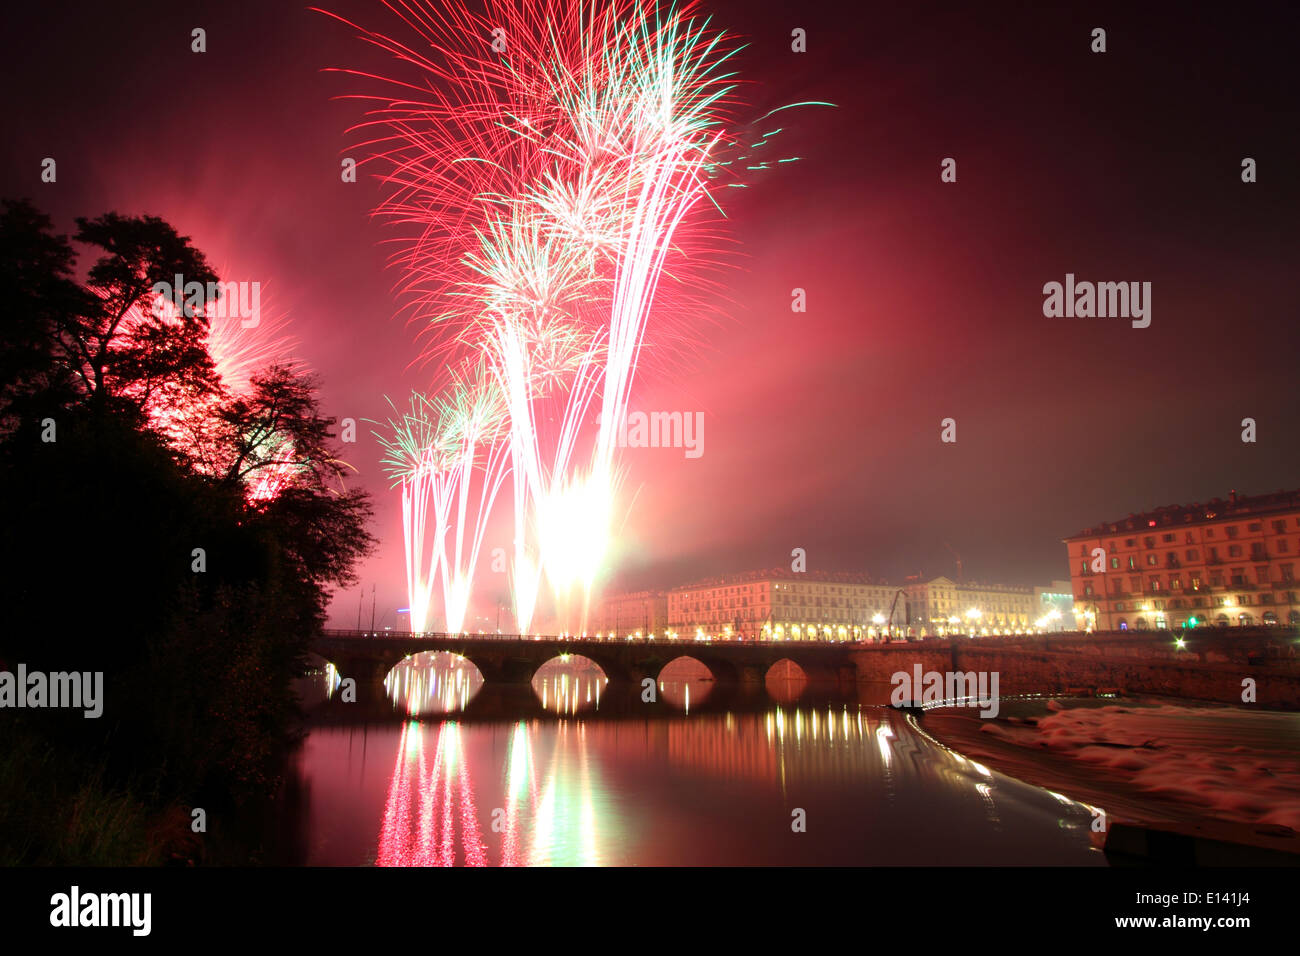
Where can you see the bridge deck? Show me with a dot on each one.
(460, 638)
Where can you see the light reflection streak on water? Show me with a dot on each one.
(519, 781)
(419, 823)
(588, 829)
(566, 831)
(557, 807)
(684, 693)
(1069, 804)
(567, 693)
(332, 680)
(883, 734)
(552, 813)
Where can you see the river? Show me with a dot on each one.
(448, 771)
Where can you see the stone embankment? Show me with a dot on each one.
(1212, 664)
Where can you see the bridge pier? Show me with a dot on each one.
(503, 669)
(368, 672)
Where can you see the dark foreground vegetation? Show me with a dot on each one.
(122, 451)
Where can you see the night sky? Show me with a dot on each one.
(822, 430)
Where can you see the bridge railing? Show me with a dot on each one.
(388, 635)
(406, 636)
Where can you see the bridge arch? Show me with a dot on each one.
(718, 667)
(685, 680)
(433, 682)
(686, 667)
(368, 658)
(569, 683)
(785, 681)
(318, 681)
(786, 669)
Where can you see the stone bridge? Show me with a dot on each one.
(1205, 663)
(369, 656)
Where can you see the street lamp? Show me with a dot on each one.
(878, 619)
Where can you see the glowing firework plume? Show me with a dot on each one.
(187, 414)
(553, 161)
(471, 416)
(413, 457)
(450, 454)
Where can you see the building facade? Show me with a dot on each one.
(785, 605)
(780, 604)
(1223, 563)
(941, 606)
(638, 613)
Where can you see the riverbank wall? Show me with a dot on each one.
(1212, 664)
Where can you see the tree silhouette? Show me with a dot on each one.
(107, 517)
(104, 342)
(124, 347)
(37, 292)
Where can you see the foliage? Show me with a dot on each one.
(107, 517)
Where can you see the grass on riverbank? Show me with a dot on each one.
(56, 812)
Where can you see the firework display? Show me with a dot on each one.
(187, 414)
(555, 165)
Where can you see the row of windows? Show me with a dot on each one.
(781, 599)
(1278, 526)
(718, 617)
(860, 593)
(1171, 559)
(810, 587)
(960, 607)
(1237, 578)
(790, 602)
(1268, 597)
(1222, 620)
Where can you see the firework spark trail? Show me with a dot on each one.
(416, 492)
(189, 421)
(413, 458)
(575, 511)
(472, 415)
(659, 75)
(511, 373)
(542, 360)
(419, 583)
(278, 466)
(441, 452)
(539, 484)
(239, 352)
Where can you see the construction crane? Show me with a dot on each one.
(953, 552)
(893, 605)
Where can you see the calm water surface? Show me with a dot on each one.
(568, 772)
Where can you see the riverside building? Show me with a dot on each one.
(830, 606)
(638, 613)
(1223, 563)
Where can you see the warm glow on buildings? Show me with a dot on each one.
(1222, 563)
(624, 614)
(785, 605)
(782, 605)
(935, 603)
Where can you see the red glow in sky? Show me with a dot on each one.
(924, 301)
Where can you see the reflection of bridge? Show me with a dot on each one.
(368, 656)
